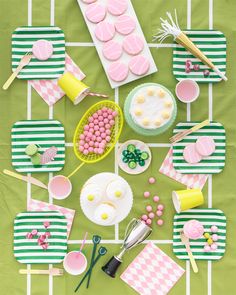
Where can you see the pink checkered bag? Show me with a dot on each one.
(152, 272)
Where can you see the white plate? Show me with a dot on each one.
(139, 145)
(123, 206)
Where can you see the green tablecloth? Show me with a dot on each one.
(15, 104)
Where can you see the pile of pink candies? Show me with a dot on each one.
(42, 238)
(97, 133)
(196, 67)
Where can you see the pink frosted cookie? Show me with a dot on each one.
(125, 24)
(205, 146)
(191, 155)
(118, 71)
(42, 49)
(105, 31)
(133, 44)
(112, 50)
(95, 12)
(88, 1)
(117, 7)
(139, 65)
(193, 229)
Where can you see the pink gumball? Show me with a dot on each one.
(101, 145)
(102, 129)
(160, 207)
(90, 149)
(96, 144)
(99, 139)
(91, 143)
(100, 151)
(89, 134)
(105, 115)
(81, 142)
(104, 141)
(144, 217)
(159, 213)
(146, 194)
(95, 115)
(148, 221)
(110, 117)
(95, 150)
(110, 111)
(160, 222)
(149, 208)
(100, 118)
(103, 135)
(86, 127)
(97, 133)
(81, 136)
(151, 215)
(91, 125)
(87, 139)
(106, 121)
(99, 112)
(108, 138)
(91, 130)
(114, 114)
(112, 122)
(95, 121)
(81, 148)
(85, 152)
(108, 126)
(85, 133)
(93, 138)
(96, 128)
(108, 132)
(86, 146)
(156, 199)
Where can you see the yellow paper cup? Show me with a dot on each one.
(187, 199)
(73, 88)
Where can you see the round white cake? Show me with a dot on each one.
(151, 107)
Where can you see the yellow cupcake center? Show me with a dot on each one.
(166, 115)
(138, 112)
(158, 122)
(150, 92)
(90, 198)
(104, 216)
(146, 122)
(118, 194)
(161, 93)
(168, 104)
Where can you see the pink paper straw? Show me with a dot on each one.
(97, 94)
(83, 243)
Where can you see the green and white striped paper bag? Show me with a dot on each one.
(28, 250)
(207, 217)
(209, 165)
(213, 45)
(23, 39)
(43, 133)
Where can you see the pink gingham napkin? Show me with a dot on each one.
(35, 205)
(49, 89)
(152, 272)
(190, 180)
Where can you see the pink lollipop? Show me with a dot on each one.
(193, 229)
(104, 31)
(205, 146)
(139, 65)
(133, 44)
(95, 12)
(118, 71)
(112, 50)
(191, 155)
(117, 7)
(42, 49)
(125, 24)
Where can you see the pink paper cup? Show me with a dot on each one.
(187, 90)
(75, 263)
(59, 187)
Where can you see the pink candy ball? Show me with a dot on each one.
(104, 109)
(110, 117)
(81, 148)
(95, 115)
(207, 248)
(112, 122)
(93, 138)
(149, 208)
(99, 139)
(81, 136)
(86, 127)
(103, 135)
(100, 118)
(96, 144)
(95, 150)
(160, 207)
(108, 126)
(100, 151)
(159, 213)
(160, 222)
(91, 143)
(85, 152)
(151, 180)
(106, 121)
(95, 121)
(102, 129)
(99, 112)
(97, 133)
(144, 217)
(91, 119)
(214, 229)
(108, 138)
(148, 221)
(101, 145)
(90, 149)
(105, 115)
(108, 132)
(91, 125)
(214, 247)
(86, 146)
(114, 114)
(81, 142)
(101, 124)
(151, 215)
(146, 194)
(214, 237)
(109, 111)
(156, 199)
(96, 128)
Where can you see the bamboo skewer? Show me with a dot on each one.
(171, 28)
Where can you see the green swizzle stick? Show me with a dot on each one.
(101, 252)
(96, 241)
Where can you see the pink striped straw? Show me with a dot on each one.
(83, 243)
(97, 94)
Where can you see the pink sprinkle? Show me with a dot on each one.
(144, 217)
(159, 213)
(187, 70)
(146, 194)
(148, 221)
(152, 180)
(214, 229)
(156, 199)
(206, 73)
(214, 247)
(214, 237)
(207, 248)
(149, 208)
(160, 207)
(108, 138)
(160, 222)
(151, 215)
(196, 67)
(188, 63)
(34, 232)
(29, 236)
(46, 224)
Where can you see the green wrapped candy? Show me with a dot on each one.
(36, 159)
(137, 152)
(142, 163)
(131, 148)
(144, 156)
(125, 153)
(125, 160)
(31, 149)
(132, 165)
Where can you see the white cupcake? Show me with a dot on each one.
(116, 190)
(91, 194)
(105, 213)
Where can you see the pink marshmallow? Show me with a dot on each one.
(159, 213)
(156, 199)
(160, 222)
(151, 215)
(160, 207)
(149, 208)
(148, 221)
(146, 194)
(144, 217)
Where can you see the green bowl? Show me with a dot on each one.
(137, 128)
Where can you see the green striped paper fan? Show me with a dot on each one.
(43, 133)
(213, 44)
(28, 250)
(207, 217)
(209, 165)
(23, 39)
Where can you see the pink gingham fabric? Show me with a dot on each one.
(152, 272)
(49, 89)
(190, 180)
(35, 205)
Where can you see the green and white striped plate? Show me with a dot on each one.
(209, 165)
(43, 133)
(23, 39)
(213, 44)
(28, 250)
(207, 217)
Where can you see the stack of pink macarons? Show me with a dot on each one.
(97, 133)
(204, 147)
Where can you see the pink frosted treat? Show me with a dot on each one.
(104, 31)
(125, 24)
(42, 49)
(95, 12)
(117, 7)
(191, 155)
(112, 50)
(139, 65)
(205, 146)
(133, 44)
(193, 229)
(88, 1)
(118, 71)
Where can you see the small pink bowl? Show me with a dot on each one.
(187, 90)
